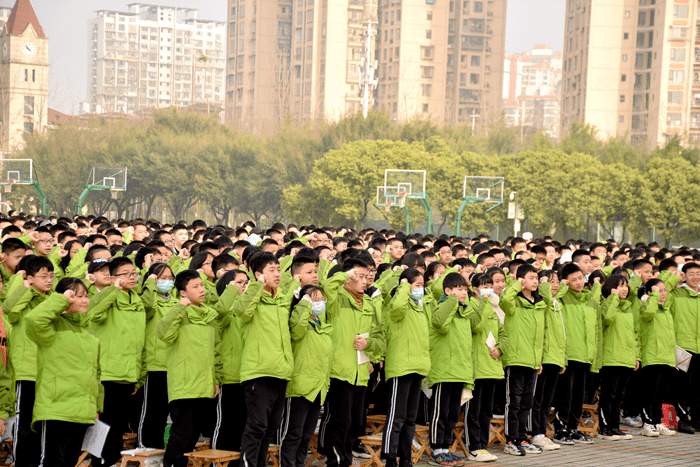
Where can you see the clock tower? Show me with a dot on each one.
(24, 77)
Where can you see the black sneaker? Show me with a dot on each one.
(563, 437)
(621, 434)
(686, 427)
(580, 438)
(391, 463)
(514, 449)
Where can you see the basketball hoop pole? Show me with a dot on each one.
(470, 199)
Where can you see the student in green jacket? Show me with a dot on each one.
(658, 354)
(451, 368)
(13, 250)
(68, 390)
(553, 363)
(355, 327)
(230, 405)
(266, 358)
(118, 317)
(686, 319)
(158, 298)
(194, 365)
(580, 311)
(406, 363)
(26, 295)
(525, 310)
(620, 355)
(97, 276)
(306, 392)
(487, 367)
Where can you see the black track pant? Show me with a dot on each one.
(568, 397)
(520, 391)
(400, 428)
(613, 382)
(445, 405)
(118, 401)
(545, 384)
(27, 443)
(657, 382)
(61, 442)
(687, 391)
(264, 400)
(230, 419)
(341, 422)
(479, 414)
(188, 419)
(154, 410)
(298, 426)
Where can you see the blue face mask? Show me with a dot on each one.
(317, 308)
(417, 294)
(486, 291)
(165, 286)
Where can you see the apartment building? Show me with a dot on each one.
(630, 68)
(154, 56)
(441, 60)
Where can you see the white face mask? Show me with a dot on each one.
(486, 291)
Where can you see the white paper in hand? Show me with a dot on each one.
(466, 395)
(427, 390)
(682, 359)
(362, 356)
(95, 437)
(491, 341)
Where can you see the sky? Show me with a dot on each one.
(529, 22)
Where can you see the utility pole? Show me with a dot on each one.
(474, 117)
(368, 65)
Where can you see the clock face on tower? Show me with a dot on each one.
(29, 49)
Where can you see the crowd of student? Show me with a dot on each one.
(244, 337)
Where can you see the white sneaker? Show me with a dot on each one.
(482, 455)
(545, 443)
(663, 430)
(634, 422)
(492, 457)
(649, 430)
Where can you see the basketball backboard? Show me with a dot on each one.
(16, 172)
(411, 182)
(390, 196)
(114, 178)
(480, 189)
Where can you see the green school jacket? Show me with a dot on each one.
(119, 320)
(407, 336)
(524, 324)
(156, 308)
(554, 352)
(686, 318)
(21, 349)
(658, 339)
(313, 355)
(485, 366)
(68, 386)
(193, 360)
(620, 342)
(229, 325)
(267, 348)
(451, 343)
(580, 310)
(350, 320)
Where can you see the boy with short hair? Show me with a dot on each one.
(194, 365)
(525, 309)
(118, 318)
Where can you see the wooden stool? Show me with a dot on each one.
(422, 437)
(217, 457)
(140, 458)
(81, 459)
(370, 443)
(273, 455)
(459, 440)
(589, 430)
(498, 426)
(550, 428)
(6, 453)
(376, 423)
(204, 446)
(313, 447)
(130, 441)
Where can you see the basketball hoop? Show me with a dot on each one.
(114, 193)
(8, 185)
(402, 198)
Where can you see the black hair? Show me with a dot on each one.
(639, 263)
(410, 274)
(413, 260)
(578, 254)
(157, 269)
(298, 263)
(353, 263)
(142, 253)
(248, 253)
(645, 289)
(525, 269)
(117, 263)
(495, 270)
(90, 255)
(568, 270)
(454, 280)
(306, 290)
(260, 260)
(36, 264)
(479, 280)
(70, 283)
(184, 278)
(226, 279)
(548, 273)
(199, 259)
(689, 266)
(591, 277)
(221, 261)
(63, 264)
(483, 257)
(430, 270)
(65, 234)
(133, 247)
(612, 282)
(463, 262)
(515, 265)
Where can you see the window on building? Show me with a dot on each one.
(428, 34)
(622, 119)
(675, 97)
(29, 127)
(642, 19)
(673, 119)
(678, 55)
(478, 7)
(623, 78)
(426, 71)
(476, 60)
(622, 98)
(425, 108)
(626, 35)
(429, 15)
(28, 105)
(26, 74)
(426, 53)
(33, 76)
(680, 11)
(426, 89)
(627, 14)
(474, 78)
(675, 76)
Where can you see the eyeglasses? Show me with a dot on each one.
(372, 272)
(169, 242)
(207, 263)
(48, 240)
(48, 277)
(129, 275)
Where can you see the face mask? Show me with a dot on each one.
(486, 291)
(317, 308)
(417, 294)
(165, 286)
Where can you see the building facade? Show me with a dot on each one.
(630, 69)
(24, 75)
(154, 56)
